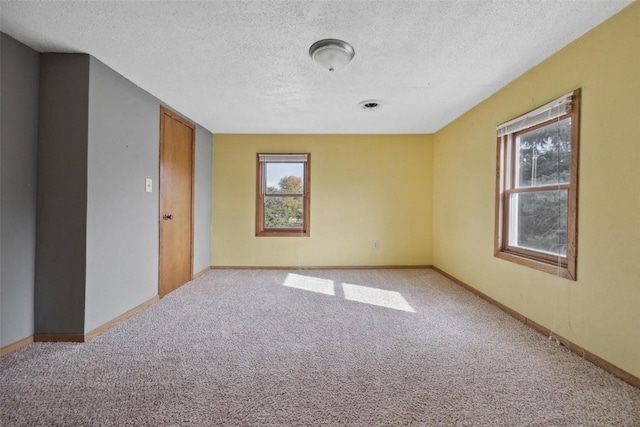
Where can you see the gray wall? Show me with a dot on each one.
(202, 218)
(94, 138)
(18, 154)
(122, 219)
(62, 194)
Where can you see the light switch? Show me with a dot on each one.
(148, 185)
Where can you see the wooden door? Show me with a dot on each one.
(177, 137)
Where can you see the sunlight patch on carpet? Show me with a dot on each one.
(374, 296)
(307, 283)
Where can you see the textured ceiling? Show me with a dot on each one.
(243, 66)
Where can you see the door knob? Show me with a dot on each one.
(167, 216)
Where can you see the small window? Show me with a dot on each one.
(283, 195)
(537, 187)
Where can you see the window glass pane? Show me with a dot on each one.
(285, 178)
(539, 221)
(544, 155)
(283, 212)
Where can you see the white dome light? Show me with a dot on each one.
(331, 54)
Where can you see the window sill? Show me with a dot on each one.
(282, 233)
(555, 270)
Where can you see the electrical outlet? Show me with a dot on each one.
(375, 245)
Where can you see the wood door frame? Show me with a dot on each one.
(164, 111)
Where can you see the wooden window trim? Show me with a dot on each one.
(506, 185)
(261, 193)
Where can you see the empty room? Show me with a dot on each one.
(308, 212)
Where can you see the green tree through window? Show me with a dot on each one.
(284, 211)
(544, 159)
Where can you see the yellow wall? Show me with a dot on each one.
(363, 188)
(601, 310)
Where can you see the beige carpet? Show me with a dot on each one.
(306, 348)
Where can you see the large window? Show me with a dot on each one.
(282, 195)
(537, 187)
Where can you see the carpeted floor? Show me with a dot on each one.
(306, 348)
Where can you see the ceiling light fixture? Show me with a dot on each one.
(331, 54)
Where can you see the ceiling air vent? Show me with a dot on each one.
(370, 105)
